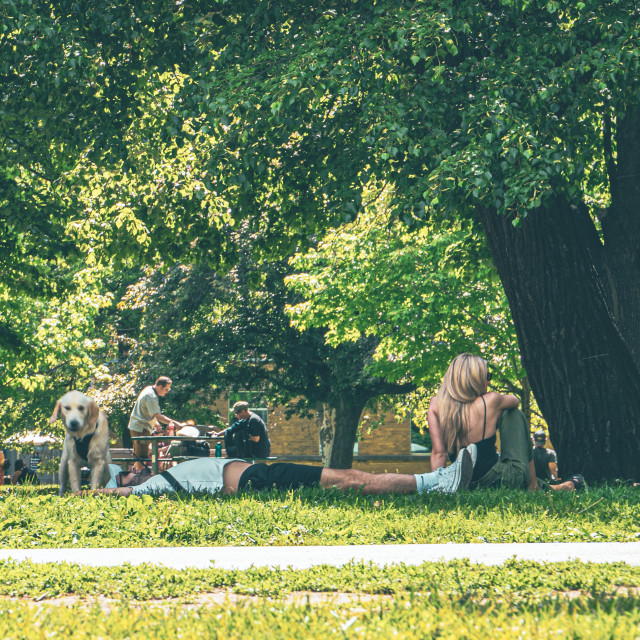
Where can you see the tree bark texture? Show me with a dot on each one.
(621, 231)
(338, 426)
(525, 400)
(580, 368)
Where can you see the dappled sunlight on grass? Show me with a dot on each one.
(35, 518)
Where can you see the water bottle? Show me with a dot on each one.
(218, 450)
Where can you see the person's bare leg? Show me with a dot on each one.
(447, 480)
(345, 479)
(574, 483)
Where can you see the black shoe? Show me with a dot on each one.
(579, 482)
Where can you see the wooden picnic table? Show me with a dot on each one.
(156, 440)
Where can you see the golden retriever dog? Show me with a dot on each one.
(86, 441)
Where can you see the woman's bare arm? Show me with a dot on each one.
(438, 450)
(507, 401)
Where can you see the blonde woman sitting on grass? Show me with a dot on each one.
(464, 412)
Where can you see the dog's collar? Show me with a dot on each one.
(82, 445)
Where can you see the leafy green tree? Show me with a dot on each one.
(62, 346)
(92, 162)
(425, 295)
(522, 114)
(86, 119)
(230, 332)
(71, 76)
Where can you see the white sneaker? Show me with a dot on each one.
(473, 452)
(457, 475)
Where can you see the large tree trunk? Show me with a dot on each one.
(338, 425)
(525, 399)
(621, 231)
(580, 369)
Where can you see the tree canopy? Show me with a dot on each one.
(218, 332)
(524, 115)
(424, 294)
(458, 104)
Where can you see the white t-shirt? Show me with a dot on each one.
(146, 406)
(200, 474)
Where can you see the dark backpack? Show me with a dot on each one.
(236, 440)
(195, 448)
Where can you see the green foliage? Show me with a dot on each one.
(425, 295)
(463, 111)
(77, 79)
(214, 331)
(61, 348)
(282, 115)
(146, 130)
(418, 436)
(37, 518)
(454, 105)
(72, 75)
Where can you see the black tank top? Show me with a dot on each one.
(487, 451)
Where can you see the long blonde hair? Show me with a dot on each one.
(465, 380)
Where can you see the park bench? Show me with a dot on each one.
(123, 454)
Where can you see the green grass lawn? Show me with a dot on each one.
(519, 581)
(433, 600)
(38, 518)
(404, 617)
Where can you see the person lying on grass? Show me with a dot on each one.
(465, 412)
(232, 475)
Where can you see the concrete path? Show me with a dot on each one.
(305, 557)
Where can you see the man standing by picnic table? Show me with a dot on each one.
(146, 412)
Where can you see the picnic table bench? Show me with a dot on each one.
(156, 440)
(124, 454)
